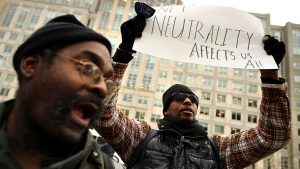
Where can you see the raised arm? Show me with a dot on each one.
(274, 126)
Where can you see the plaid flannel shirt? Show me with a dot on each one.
(236, 151)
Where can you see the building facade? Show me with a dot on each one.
(229, 98)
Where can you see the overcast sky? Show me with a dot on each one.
(281, 11)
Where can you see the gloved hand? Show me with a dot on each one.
(130, 30)
(274, 47)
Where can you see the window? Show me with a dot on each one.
(9, 15)
(238, 72)
(205, 96)
(252, 103)
(235, 130)
(177, 77)
(8, 48)
(192, 79)
(143, 99)
(237, 100)
(22, 17)
(208, 68)
(223, 70)
(219, 129)
(155, 117)
(157, 102)
(204, 110)
(252, 118)
(298, 103)
(131, 80)
(13, 36)
(221, 98)
(222, 83)
(140, 115)
(298, 117)
(10, 77)
(252, 88)
(4, 91)
(2, 34)
(203, 124)
(193, 66)
(207, 82)
(220, 113)
(236, 116)
(163, 74)
(146, 81)
(253, 74)
(127, 97)
(296, 42)
(160, 88)
(35, 18)
(179, 64)
(284, 163)
(106, 8)
(125, 111)
(297, 65)
(297, 78)
(238, 86)
(164, 61)
(298, 132)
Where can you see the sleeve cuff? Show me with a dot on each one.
(272, 81)
(122, 56)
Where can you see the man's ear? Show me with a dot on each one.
(29, 65)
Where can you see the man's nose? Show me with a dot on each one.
(187, 101)
(100, 88)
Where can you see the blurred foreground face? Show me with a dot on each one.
(62, 96)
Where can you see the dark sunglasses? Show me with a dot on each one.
(180, 97)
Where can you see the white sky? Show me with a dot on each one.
(281, 11)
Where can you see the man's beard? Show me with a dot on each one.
(35, 133)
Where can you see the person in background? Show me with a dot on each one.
(182, 143)
(62, 68)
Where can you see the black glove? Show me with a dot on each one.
(274, 47)
(130, 30)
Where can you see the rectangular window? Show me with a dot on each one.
(252, 118)
(252, 103)
(22, 17)
(10, 77)
(219, 129)
(236, 116)
(237, 100)
(2, 34)
(125, 111)
(204, 110)
(205, 96)
(221, 98)
(193, 66)
(35, 18)
(179, 64)
(140, 115)
(13, 36)
(9, 15)
(177, 77)
(163, 74)
(204, 125)
(155, 117)
(207, 82)
(220, 113)
(208, 68)
(235, 130)
(157, 103)
(222, 83)
(297, 78)
(223, 70)
(143, 99)
(8, 48)
(252, 88)
(127, 97)
(192, 79)
(238, 86)
(238, 72)
(4, 91)
(253, 74)
(131, 80)
(296, 42)
(160, 88)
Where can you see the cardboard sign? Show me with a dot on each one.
(208, 35)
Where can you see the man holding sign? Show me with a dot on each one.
(180, 141)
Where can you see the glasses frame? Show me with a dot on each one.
(192, 97)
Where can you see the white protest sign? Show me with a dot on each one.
(208, 35)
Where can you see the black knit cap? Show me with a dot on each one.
(176, 88)
(65, 29)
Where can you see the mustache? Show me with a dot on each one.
(187, 108)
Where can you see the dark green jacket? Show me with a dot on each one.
(87, 158)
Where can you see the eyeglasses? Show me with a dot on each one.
(180, 97)
(89, 72)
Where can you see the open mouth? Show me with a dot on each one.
(187, 109)
(82, 113)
